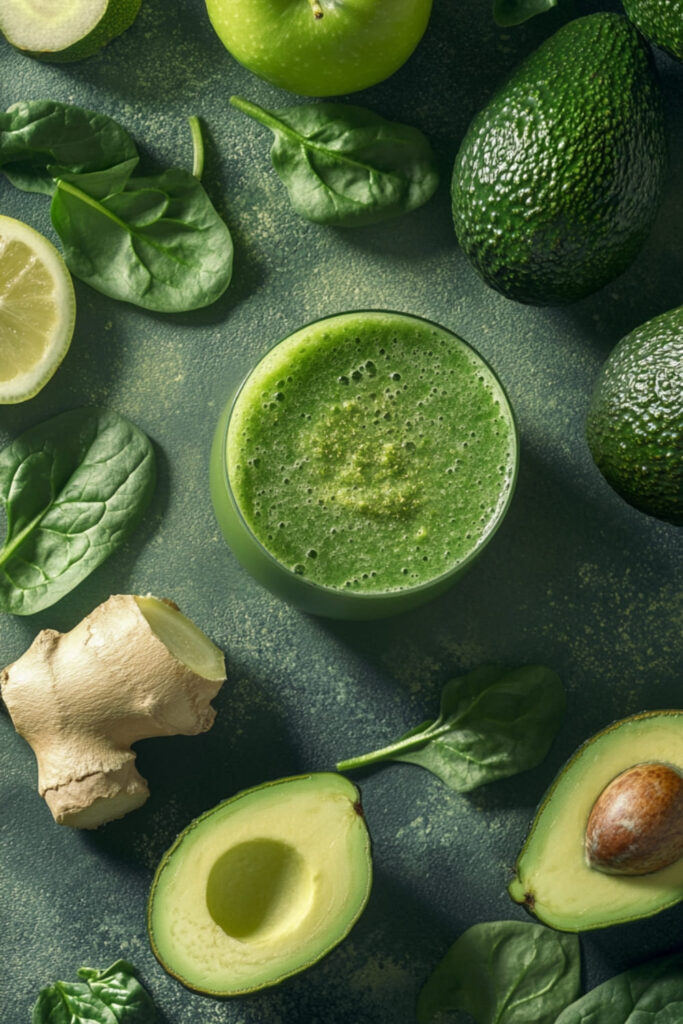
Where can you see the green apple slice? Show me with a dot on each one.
(261, 886)
(64, 30)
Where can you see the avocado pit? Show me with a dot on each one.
(259, 889)
(636, 824)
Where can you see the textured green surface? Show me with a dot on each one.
(635, 420)
(575, 578)
(661, 21)
(558, 180)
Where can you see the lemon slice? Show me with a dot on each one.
(37, 310)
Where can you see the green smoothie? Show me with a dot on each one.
(371, 452)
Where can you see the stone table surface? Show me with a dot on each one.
(574, 579)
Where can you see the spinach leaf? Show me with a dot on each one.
(73, 489)
(505, 972)
(112, 996)
(100, 184)
(652, 993)
(43, 139)
(154, 241)
(346, 165)
(513, 12)
(493, 722)
(157, 241)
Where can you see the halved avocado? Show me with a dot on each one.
(553, 878)
(261, 886)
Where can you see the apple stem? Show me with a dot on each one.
(316, 8)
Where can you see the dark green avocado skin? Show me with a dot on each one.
(558, 179)
(661, 21)
(635, 421)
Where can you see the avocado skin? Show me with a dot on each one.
(661, 21)
(558, 179)
(635, 421)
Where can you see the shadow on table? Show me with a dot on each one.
(188, 775)
(610, 951)
(374, 975)
(652, 284)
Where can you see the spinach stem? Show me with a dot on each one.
(269, 120)
(130, 229)
(197, 147)
(403, 746)
(264, 117)
(12, 545)
(67, 186)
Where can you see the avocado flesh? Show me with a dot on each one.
(660, 21)
(262, 886)
(558, 179)
(553, 879)
(635, 421)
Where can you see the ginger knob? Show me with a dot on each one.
(636, 824)
(134, 668)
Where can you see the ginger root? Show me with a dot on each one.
(135, 667)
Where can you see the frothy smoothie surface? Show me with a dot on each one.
(371, 452)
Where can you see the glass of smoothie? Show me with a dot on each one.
(363, 464)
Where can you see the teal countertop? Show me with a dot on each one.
(575, 578)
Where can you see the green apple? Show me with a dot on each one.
(320, 47)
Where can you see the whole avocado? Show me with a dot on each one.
(661, 21)
(558, 179)
(635, 421)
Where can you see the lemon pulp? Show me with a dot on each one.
(37, 310)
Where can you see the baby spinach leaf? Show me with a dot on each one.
(346, 165)
(652, 993)
(157, 241)
(112, 996)
(493, 722)
(507, 13)
(118, 988)
(505, 972)
(42, 139)
(100, 184)
(73, 489)
(154, 241)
